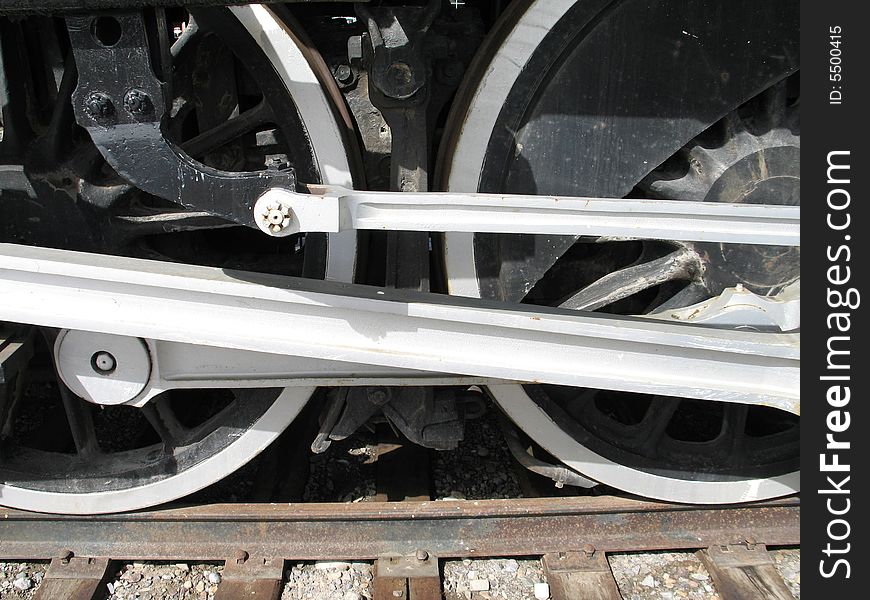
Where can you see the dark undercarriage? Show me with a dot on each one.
(149, 129)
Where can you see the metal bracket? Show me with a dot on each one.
(739, 555)
(420, 565)
(121, 103)
(572, 562)
(398, 68)
(407, 577)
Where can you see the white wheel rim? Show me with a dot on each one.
(464, 169)
(462, 173)
(538, 425)
(282, 50)
(276, 418)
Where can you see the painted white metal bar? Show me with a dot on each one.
(132, 371)
(197, 367)
(281, 212)
(424, 332)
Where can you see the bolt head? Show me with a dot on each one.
(450, 72)
(276, 217)
(99, 106)
(103, 362)
(400, 73)
(422, 555)
(378, 396)
(137, 102)
(277, 163)
(344, 74)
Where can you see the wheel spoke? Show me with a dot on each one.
(15, 351)
(655, 424)
(161, 417)
(680, 264)
(732, 437)
(691, 294)
(228, 131)
(79, 414)
(200, 431)
(582, 405)
(183, 53)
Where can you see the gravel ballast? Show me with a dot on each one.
(328, 581)
(662, 576)
(509, 579)
(480, 467)
(20, 579)
(159, 581)
(640, 576)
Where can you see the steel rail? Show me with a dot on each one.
(425, 332)
(281, 212)
(368, 530)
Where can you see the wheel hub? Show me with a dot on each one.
(766, 176)
(103, 369)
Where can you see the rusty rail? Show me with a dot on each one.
(366, 531)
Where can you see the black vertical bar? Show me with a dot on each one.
(834, 173)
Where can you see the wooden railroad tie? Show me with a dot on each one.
(251, 578)
(74, 578)
(744, 571)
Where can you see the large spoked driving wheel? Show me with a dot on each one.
(245, 90)
(627, 99)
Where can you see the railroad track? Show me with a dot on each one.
(406, 540)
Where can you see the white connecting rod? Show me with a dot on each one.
(423, 332)
(281, 212)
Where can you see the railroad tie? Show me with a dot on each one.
(580, 576)
(407, 578)
(744, 571)
(74, 578)
(251, 578)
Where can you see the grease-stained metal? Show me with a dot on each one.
(123, 111)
